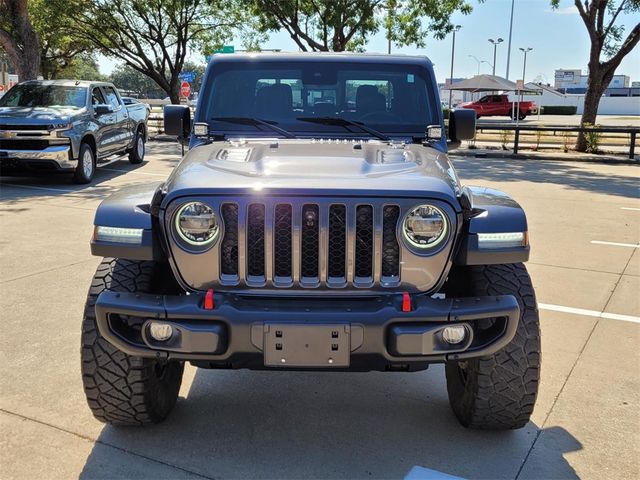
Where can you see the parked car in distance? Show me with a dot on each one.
(316, 223)
(133, 101)
(68, 126)
(500, 106)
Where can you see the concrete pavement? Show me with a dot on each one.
(241, 424)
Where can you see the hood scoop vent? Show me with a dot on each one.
(394, 155)
(238, 155)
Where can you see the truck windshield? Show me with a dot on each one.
(389, 99)
(52, 96)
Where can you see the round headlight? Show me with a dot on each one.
(196, 224)
(425, 226)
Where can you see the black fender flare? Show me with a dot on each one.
(487, 210)
(130, 208)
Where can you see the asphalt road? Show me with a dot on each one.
(241, 424)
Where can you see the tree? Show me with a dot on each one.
(339, 25)
(19, 39)
(61, 50)
(153, 36)
(80, 67)
(128, 80)
(606, 34)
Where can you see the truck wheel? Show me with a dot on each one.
(136, 155)
(122, 389)
(498, 392)
(86, 167)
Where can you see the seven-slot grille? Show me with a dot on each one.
(310, 244)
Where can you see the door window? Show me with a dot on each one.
(112, 97)
(96, 97)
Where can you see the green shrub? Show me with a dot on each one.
(592, 138)
(559, 110)
(505, 137)
(565, 142)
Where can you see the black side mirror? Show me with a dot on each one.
(177, 120)
(462, 125)
(103, 109)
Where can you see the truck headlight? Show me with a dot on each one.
(425, 226)
(196, 223)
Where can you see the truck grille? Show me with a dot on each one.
(24, 144)
(309, 245)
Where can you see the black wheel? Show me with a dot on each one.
(122, 389)
(498, 392)
(519, 116)
(86, 167)
(136, 154)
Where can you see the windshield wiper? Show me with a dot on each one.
(255, 122)
(343, 122)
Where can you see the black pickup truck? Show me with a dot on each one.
(68, 126)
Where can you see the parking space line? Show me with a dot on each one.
(630, 208)
(135, 172)
(589, 313)
(43, 188)
(615, 244)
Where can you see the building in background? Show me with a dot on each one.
(573, 81)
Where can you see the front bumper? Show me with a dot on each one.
(238, 332)
(54, 157)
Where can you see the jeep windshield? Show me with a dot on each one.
(50, 96)
(386, 99)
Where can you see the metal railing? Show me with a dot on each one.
(631, 131)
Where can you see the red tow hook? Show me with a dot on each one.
(406, 302)
(209, 304)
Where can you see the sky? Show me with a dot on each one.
(558, 37)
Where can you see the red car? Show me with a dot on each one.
(499, 105)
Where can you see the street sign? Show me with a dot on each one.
(520, 85)
(185, 89)
(187, 76)
(226, 49)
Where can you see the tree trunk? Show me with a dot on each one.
(174, 91)
(591, 102)
(21, 42)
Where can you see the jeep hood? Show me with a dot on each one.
(307, 167)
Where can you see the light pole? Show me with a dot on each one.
(524, 65)
(524, 70)
(495, 47)
(478, 61)
(453, 52)
(509, 46)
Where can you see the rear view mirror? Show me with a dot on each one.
(102, 109)
(177, 120)
(462, 125)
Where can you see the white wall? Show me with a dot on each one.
(616, 106)
(608, 105)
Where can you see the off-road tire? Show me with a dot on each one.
(138, 148)
(83, 175)
(122, 389)
(498, 392)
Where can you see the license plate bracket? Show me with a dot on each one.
(307, 345)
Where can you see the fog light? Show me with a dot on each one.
(454, 334)
(160, 331)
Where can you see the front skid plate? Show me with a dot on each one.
(305, 345)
